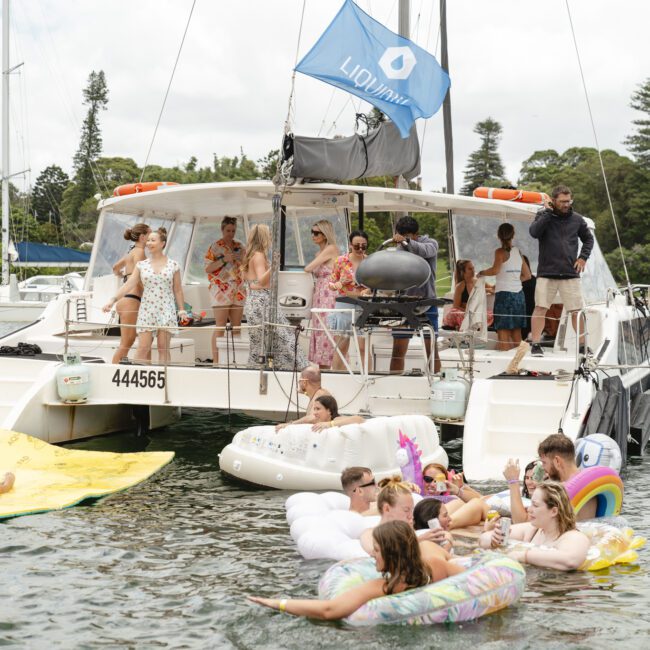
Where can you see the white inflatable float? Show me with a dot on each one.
(298, 458)
(323, 527)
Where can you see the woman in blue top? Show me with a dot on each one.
(509, 301)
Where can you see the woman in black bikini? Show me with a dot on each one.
(127, 308)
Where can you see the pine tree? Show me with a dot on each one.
(484, 166)
(90, 146)
(639, 143)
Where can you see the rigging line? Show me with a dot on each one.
(600, 157)
(435, 50)
(169, 85)
(327, 110)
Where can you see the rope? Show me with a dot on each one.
(169, 85)
(600, 157)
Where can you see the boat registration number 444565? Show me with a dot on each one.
(139, 378)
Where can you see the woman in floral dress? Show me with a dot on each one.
(256, 272)
(222, 264)
(321, 349)
(343, 282)
(161, 281)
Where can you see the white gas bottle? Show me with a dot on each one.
(448, 396)
(73, 379)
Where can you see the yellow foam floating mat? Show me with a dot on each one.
(50, 477)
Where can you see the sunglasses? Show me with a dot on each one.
(360, 247)
(315, 233)
(369, 483)
(428, 479)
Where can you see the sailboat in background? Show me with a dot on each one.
(25, 301)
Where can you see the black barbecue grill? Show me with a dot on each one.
(390, 274)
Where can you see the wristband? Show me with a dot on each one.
(513, 480)
(526, 556)
(283, 605)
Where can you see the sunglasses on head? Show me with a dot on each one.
(315, 233)
(369, 483)
(360, 247)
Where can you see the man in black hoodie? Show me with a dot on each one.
(558, 229)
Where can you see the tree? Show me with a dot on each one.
(47, 194)
(637, 261)
(484, 166)
(86, 179)
(639, 143)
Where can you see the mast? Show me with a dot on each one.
(446, 105)
(5, 142)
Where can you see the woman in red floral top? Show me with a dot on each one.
(342, 280)
(222, 264)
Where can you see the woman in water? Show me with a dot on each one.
(256, 272)
(326, 411)
(343, 282)
(162, 291)
(222, 262)
(321, 349)
(509, 300)
(465, 505)
(398, 558)
(424, 515)
(395, 503)
(127, 308)
(551, 534)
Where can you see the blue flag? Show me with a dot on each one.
(361, 56)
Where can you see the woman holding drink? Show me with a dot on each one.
(551, 536)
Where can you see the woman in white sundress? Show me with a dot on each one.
(161, 280)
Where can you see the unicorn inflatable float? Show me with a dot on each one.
(298, 458)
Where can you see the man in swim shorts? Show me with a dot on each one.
(309, 384)
(359, 484)
(558, 456)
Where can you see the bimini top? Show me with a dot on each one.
(32, 254)
(215, 200)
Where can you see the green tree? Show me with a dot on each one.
(639, 143)
(637, 260)
(86, 180)
(47, 194)
(484, 166)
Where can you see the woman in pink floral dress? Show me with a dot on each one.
(321, 349)
(222, 264)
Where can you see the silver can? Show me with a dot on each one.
(504, 524)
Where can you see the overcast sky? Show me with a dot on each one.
(512, 60)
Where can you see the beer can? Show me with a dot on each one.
(505, 523)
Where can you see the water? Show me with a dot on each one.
(168, 563)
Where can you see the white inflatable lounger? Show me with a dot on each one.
(298, 458)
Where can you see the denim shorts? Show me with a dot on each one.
(341, 322)
(407, 332)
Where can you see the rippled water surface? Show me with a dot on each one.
(167, 564)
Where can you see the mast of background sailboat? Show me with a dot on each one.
(5, 142)
(446, 105)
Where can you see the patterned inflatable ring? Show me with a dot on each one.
(601, 483)
(490, 583)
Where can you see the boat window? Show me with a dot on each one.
(475, 238)
(206, 232)
(597, 278)
(633, 341)
(112, 245)
(180, 242)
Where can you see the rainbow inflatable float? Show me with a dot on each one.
(602, 483)
(490, 583)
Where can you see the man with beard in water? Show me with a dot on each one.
(558, 456)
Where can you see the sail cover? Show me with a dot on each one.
(382, 152)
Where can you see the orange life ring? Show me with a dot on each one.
(511, 195)
(136, 188)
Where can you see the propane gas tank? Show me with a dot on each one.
(73, 379)
(448, 395)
